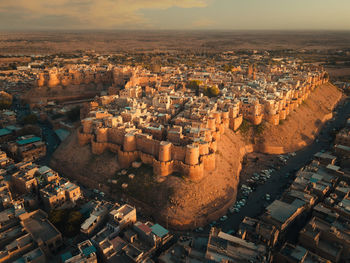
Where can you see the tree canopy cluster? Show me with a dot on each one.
(30, 119)
(67, 221)
(228, 67)
(210, 91)
(193, 84)
(74, 114)
(5, 100)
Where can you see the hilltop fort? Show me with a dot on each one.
(170, 122)
(174, 131)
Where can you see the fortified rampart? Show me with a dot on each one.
(191, 156)
(255, 115)
(67, 77)
(187, 143)
(166, 157)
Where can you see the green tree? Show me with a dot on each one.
(74, 221)
(74, 114)
(30, 119)
(193, 85)
(67, 221)
(74, 218)
(228, 67)
(5, 100)
(211, 91)
(57, 217)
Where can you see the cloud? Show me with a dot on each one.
(86, 14)
(203, 23)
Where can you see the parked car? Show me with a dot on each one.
(212, 223)
(224, 218)
(231, 232)
(199, 229)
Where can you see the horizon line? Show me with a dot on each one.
(163, 30)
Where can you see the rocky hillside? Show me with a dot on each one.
(301, 126)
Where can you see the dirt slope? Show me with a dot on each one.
(74, 161)
(301, 126)
(195, 204)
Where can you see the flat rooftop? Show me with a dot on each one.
(281, 211)
(29, 140)
(4, 132)
(159, 231)
(40, 227)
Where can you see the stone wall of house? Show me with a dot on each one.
(236, 122)
(84, 138)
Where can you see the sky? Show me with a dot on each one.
(175, 14)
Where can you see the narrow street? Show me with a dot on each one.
(47, 133)
(51, 139)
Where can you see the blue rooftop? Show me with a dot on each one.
(62, 134)
(12, 128)
(158, 230)
(29, 140)
(4, 132)
(313, 180)
(44, 169)
(9, 113)
(89, 250)
(154, 128)
(66, 256)
(20, 260)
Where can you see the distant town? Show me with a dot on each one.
(167, 122)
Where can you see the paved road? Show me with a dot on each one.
(47, 132)
(51, 139)
(279, 181)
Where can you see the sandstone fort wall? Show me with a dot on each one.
(192, 159)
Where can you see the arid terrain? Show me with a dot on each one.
(176, 199)
(174, 131)
(154, 41)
